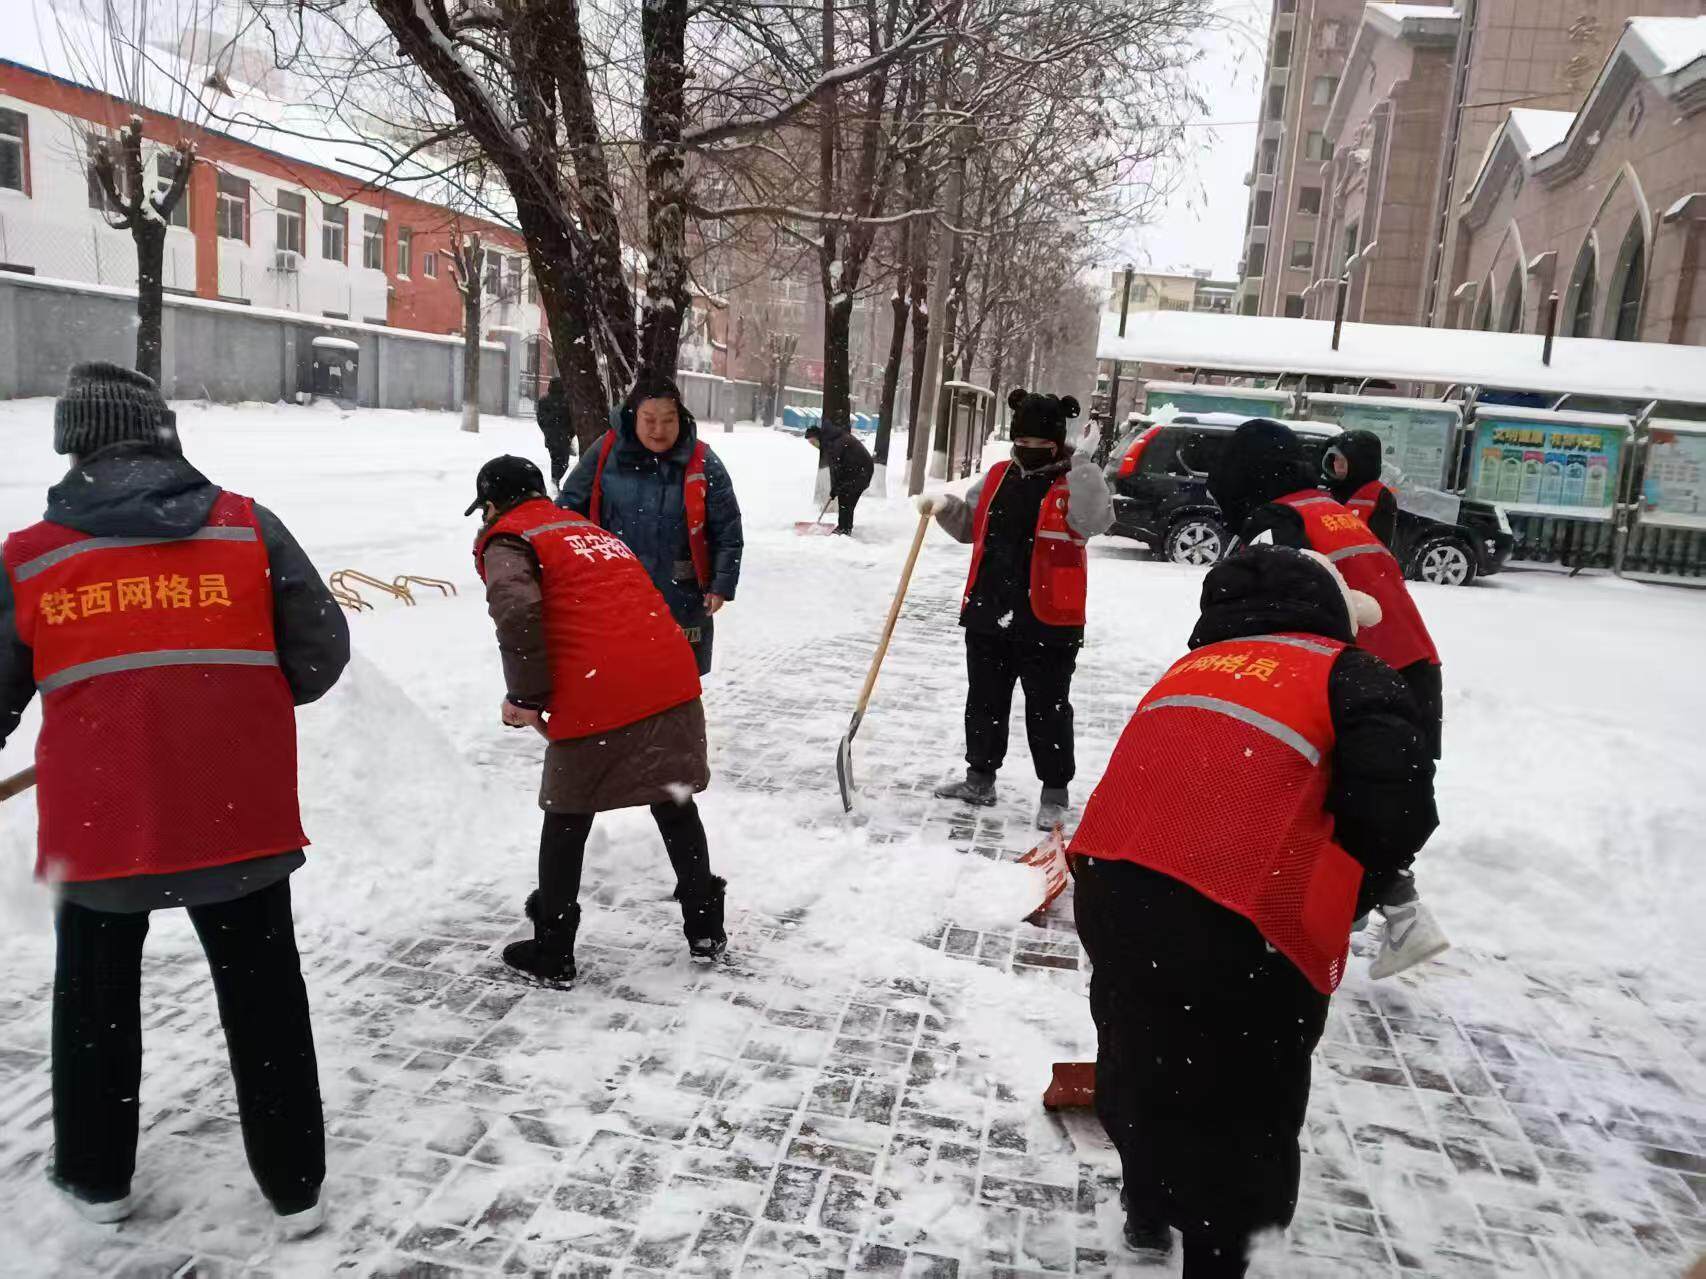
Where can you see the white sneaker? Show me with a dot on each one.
(299, 1225)
(106, 1213)
(1409, 935)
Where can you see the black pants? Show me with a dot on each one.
(562, 853)
(97, 1045)
(1426, 683)
(1203, 1039)
(561, 446)
(845, 502)
(993, 664)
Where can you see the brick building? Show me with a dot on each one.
(1475, 157)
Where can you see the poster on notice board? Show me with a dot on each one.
(1673, 489)
(1415, 438)
(1546, 467)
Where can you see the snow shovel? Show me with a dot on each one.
(814, 526)
(844, 752)
(1071, 1086)
(17, 784)
(1050, 856)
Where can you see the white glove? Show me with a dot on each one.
(929, 503)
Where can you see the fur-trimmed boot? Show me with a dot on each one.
(702, 922)
(549, 955)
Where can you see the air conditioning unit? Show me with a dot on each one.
(287, 261)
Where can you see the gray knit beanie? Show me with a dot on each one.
(106, 404)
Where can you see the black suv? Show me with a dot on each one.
(1159, 476)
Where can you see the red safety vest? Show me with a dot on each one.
(168, 737)
(617, 657)
(1060, 578)
(1362, 503)
(1400, 638)
(692, 501)
(1220, 781)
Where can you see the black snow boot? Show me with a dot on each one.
(702, 922)
(549, 955)
(1145, 1230)
(977, 788)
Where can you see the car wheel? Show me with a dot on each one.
(1445, 561)
(1197, 540)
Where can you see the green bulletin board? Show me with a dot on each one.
(1417, 437)
(1217, 400)
(1546, 465)
(1673, 489)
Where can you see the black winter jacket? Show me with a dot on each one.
(141, 490)
(849, 462)
(1365, 457)
(1382, 790)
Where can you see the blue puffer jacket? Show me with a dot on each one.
(642, 504)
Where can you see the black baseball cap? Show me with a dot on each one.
(504, 481)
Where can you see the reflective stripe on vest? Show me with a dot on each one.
(1346, 552)
(1255, 719)
(164, 657)
(693, 492)
(1220, 781)
(1059, 577)
(41, 563)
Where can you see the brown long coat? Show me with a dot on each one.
(656, 760)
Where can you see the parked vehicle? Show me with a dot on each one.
(1159, 476)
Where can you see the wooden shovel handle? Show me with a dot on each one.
(894, 614)
(17, 784)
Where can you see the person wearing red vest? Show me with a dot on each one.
(656, 485)
(170, 627)
(1028, 520)
(1220, 862)
(594, 661)
(1352, 468)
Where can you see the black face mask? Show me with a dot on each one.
(1033, 459)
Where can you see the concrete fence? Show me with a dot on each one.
(225, 352)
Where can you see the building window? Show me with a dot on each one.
(1350, 246)
(1288, 6)
(1264, 208)
(1309, 201)
(532, 289)
(292, 221)
(1321, 90)
(429, 265)
(165, 173)
(232, 221)
(1282, 49)
(1294, 306)
(1257, 261)
(1270, 155)
(15, 151)
(334, 232)
(1631, 278)
(1332, 33)
(1316, 146)
(405, 250)
(373, 242)
(1582, 289)
(1510, 320)
(494, 274)
(1302, 254)
(1276, 101)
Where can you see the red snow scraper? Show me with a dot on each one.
(814, 526)
(17, 784)
(1072, 1086)
(1050, 855)
(844, 752)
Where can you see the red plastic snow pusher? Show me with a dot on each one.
(844, 752)
(809, 527)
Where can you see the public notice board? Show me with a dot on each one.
(1547, 464)
(1416, 436)
(1210, 399)
(1673, 488)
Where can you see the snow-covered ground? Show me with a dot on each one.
(857, 1088)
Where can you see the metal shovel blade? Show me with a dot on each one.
(844, 771)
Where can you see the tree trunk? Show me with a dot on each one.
(572, 313)
(891, 374)
(837, 375)
(663, 35)
(471, 354)
(149, 235)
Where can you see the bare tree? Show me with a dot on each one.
(141, 155)
(468, 272)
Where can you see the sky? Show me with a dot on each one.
(1201, 223)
